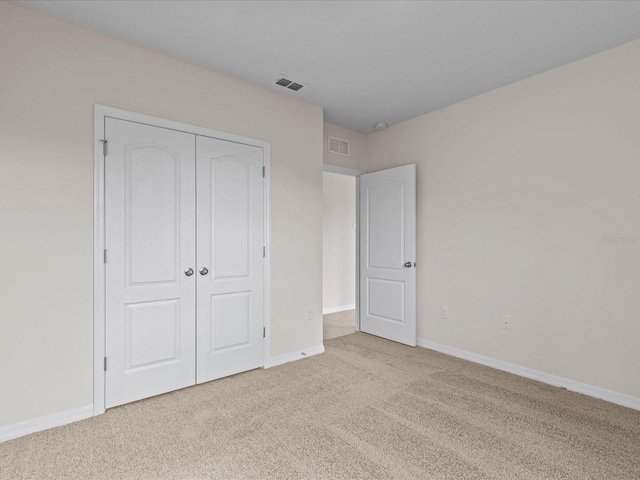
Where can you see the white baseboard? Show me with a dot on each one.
(20, 429)
(342, 308)
(293, 356)
(556, 381)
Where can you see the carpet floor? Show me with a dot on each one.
(367, 408)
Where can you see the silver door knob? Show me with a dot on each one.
(407, 265)
(203, 271)
(188, 272)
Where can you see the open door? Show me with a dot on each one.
(388, 254)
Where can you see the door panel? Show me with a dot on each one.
(386, 299)
(151, 213)
(230, 226)
(230, 219)
(386, 229)
(387, 242)
(150, 240)
(225, 334)
(162, 318)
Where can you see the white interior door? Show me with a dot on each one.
(388, 254)
(230, 225)
(150, 242)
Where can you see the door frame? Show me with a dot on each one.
(100, 113)
(352, 172)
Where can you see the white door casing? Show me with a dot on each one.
(150, 241)
(388, 254)
(230, 243)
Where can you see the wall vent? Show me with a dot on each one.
(339, 146)
(283, 81)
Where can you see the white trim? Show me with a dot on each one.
(267, 260)
(341, 170)
(556, 381)
(104, 111)
(342, 308)
(100, 112)
(293, 356)
(98, 265)
(358, 253)
(20, 429)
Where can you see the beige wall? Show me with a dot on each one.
(356, 147)
(339, 241)
(51, 75)
(516, 190)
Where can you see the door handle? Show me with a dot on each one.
(188, 272)
(203, 271)
(408, 265)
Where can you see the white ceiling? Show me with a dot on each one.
(367, 62)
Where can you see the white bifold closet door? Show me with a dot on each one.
(184, 260)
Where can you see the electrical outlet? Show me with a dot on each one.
(444, 311)
(506, 322)
(310, 313)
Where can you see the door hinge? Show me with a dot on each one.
(264, 172)
(264, 332)
(105, 256)
(105, 364)
(264, 252)
(104, 147)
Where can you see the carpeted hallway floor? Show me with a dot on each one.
(338, 324)
(368, 408)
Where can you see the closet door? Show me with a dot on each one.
(230, 274)
(150, 260)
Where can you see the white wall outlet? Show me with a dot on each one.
(506, 322)
(444, 311)
(310, 313)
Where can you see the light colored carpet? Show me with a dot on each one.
(338, 324)
(367, 408)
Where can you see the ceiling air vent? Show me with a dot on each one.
(339, 146)
(283, 81)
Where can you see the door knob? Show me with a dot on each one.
(188, 272)
(407, 265)
(203, 271)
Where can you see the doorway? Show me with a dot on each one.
(380, 245)
(340, 252)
